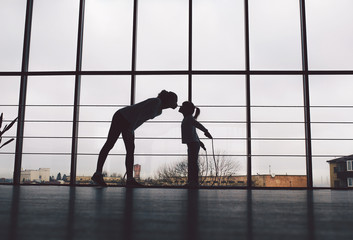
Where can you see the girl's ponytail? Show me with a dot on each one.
(197, 112)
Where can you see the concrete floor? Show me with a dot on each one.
(60, 212)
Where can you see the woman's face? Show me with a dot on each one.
(174, 105)
(173, 102)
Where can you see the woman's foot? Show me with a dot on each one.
(97, 178)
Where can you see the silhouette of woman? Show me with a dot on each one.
(190, 137)
(125, 121)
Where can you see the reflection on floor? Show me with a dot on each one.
(61, 212)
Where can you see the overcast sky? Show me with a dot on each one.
(162, 44)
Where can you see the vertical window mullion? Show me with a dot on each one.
(190, 53)
(307, 120)
(23, 92)
(75, 121)
(134, 50)
(247, 86)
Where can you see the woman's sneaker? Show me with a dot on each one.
(97, 178)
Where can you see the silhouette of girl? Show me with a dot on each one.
(190, 137)
(125, 121)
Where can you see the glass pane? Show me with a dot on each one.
(47, 145)
(218, 34)
(331, 90)
(162, 41)
(9, 92)
(222, 103)
(330, 34)
(278, 147)
(321, 171)
(107, 35)
(270, 171)
(50, 90)
(6, 167)
(105, 90)
(282, 90)
(48, 128)
(275, 36)
(47, 169)
(219, 90)
(49, 113)
(278, 131)
(114, 168)
(54, 35)
(101, 97)
(11, 41)
(278, 114)
(231, 171)
(332, 122)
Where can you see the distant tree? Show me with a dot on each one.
(222, 167)
(216, 168)
(6, 128)
(59, 176)
(171, 171)
(105, 174)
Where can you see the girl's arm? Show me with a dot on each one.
(202, 128)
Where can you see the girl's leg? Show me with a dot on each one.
(129, 140)
(113, 135)
(193, 167)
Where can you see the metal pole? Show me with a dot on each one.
(75, 121)
(248, 99)
(309, 168)
(133, 57)
(23, 92)
(190, 54)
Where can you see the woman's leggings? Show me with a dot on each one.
(119, 125)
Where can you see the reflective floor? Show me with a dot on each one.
(61, 212)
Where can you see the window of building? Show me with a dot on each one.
(350, 182)
(349, 166)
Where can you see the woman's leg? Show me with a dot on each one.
(113, 135)
(129, 140)
(193, 167)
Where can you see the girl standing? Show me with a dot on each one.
(190, 137)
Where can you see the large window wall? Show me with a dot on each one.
(273, 80)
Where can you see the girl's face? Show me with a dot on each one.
(186, 108)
